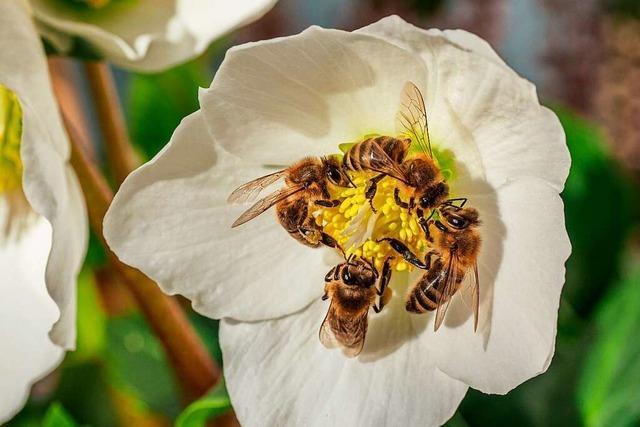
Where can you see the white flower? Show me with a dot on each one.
(276, 101)
(145, 35)
(43, 225)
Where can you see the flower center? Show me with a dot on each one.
(10, 134)
(358, 229)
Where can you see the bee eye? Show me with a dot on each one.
(334, 175)
(458, 222)
(425, 202)
(347, 277)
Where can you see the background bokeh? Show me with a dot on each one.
(584, 57)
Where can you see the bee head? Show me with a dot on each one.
(433, 195)
(460, 218)
(359, 273)
(335, 173)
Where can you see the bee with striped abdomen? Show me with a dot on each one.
(306, 181)
(351, 286)
(456, 245)
(418, 174)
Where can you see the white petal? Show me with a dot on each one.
(514, 135)
(171, 220)
(26, 315)
(210, 19)
(275, 101)
(48, 183)
(524, 248)
(278, 373)
(149, 35)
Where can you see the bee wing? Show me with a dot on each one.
(250, 190)
(265, 203)
(381, 162)
(446, 295)
(475, 292)
(412, 117)
(346, 333)
(470, 293)
(327, 337)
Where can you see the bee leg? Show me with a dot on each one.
(329, 241)
(424, 223)
(427, 259)
(399, 202)
(327, 203)
(382, 300)
(372, 188)
(406, 253)
(385, 277)
(311, 235)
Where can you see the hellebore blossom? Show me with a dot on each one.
(144, 35)
(277, 101)
(43, 225)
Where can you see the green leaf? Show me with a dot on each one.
(609, 392)
(598, 209)
(56, 416)
(215, 403)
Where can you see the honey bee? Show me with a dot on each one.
(418, 175)
(306, 181)
(351, 287)
(456, 244)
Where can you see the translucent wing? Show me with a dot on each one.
(327, 337)
(475, 291)
(446, 293)
(348, 333)
(412, 117)
(265, 203)
(470, 293)
(250, 190)
(381, 162)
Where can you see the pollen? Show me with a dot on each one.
(10, 134)
(358, 229)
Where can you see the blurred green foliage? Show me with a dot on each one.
(215, 403)
(609, 392)
(56, 416)
(624, 8)
(599, 209)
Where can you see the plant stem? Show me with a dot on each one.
(190, 360)
(120, 154)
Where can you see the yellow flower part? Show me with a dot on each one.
(10, 135)
(357, 228)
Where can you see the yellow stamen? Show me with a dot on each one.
(349, 223)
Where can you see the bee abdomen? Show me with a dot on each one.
(356, 158)
(421, 301)
(359, 157)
